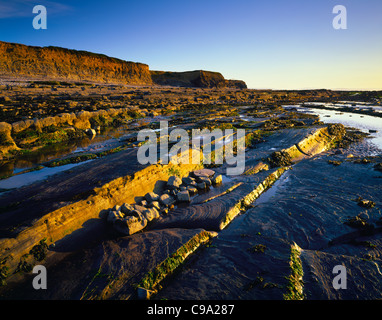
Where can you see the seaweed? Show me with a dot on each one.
(294, 285)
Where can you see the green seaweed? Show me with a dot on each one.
(152, 279)
(258, 248)
(295, 283)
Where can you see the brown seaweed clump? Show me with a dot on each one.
(337, 129)
(280, 159)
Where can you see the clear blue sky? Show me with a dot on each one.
(276, 44)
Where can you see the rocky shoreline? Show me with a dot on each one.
(112, 228)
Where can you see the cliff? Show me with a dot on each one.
(65, 64)
(54, 63)
(198, 78)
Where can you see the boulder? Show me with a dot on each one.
(151, 196)
(144, 203)
(174, 182)
(188, 180)
(126, 209)
(366, 203)
(203, 173)
(192, 190)
(173, 193)
(207, 181)
(218, 179)
(183, 196)
(113, 216)
(201, 185)
(155, 204)
(21, 125)
(6, 139)
(139, 208)
(48, 121)
(130, 225)
(6, 128)
(91, 132)
(166, 200)
(117, 208)
(151, 214)
(134, 213)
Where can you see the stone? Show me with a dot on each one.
(5, 135)
(173, 193)
(116, 208)
(151, 196)
(359, 223)
(205, 180)
(126, 208)
(155, 204)
(366, 203)
(174, 182)
(201, 185)
(21, 125)
(218, 179)
(192, 190)
(91, 132)
(188, 180)
(139, 208)
(130, 225)
(132, 210)
(5, 127)
(164, 211)
(113, 216)
(151, 214)
(203, 173)
(134, 213)
(166, 200)
(183, 196)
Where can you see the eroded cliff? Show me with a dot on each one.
(56, 63)
(197, 78)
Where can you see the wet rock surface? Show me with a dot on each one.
(273, 232)
(308, 216)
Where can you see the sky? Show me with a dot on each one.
(270, 44)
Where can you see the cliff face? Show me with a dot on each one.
(65, 64)
(198, 78)
(54, 63)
